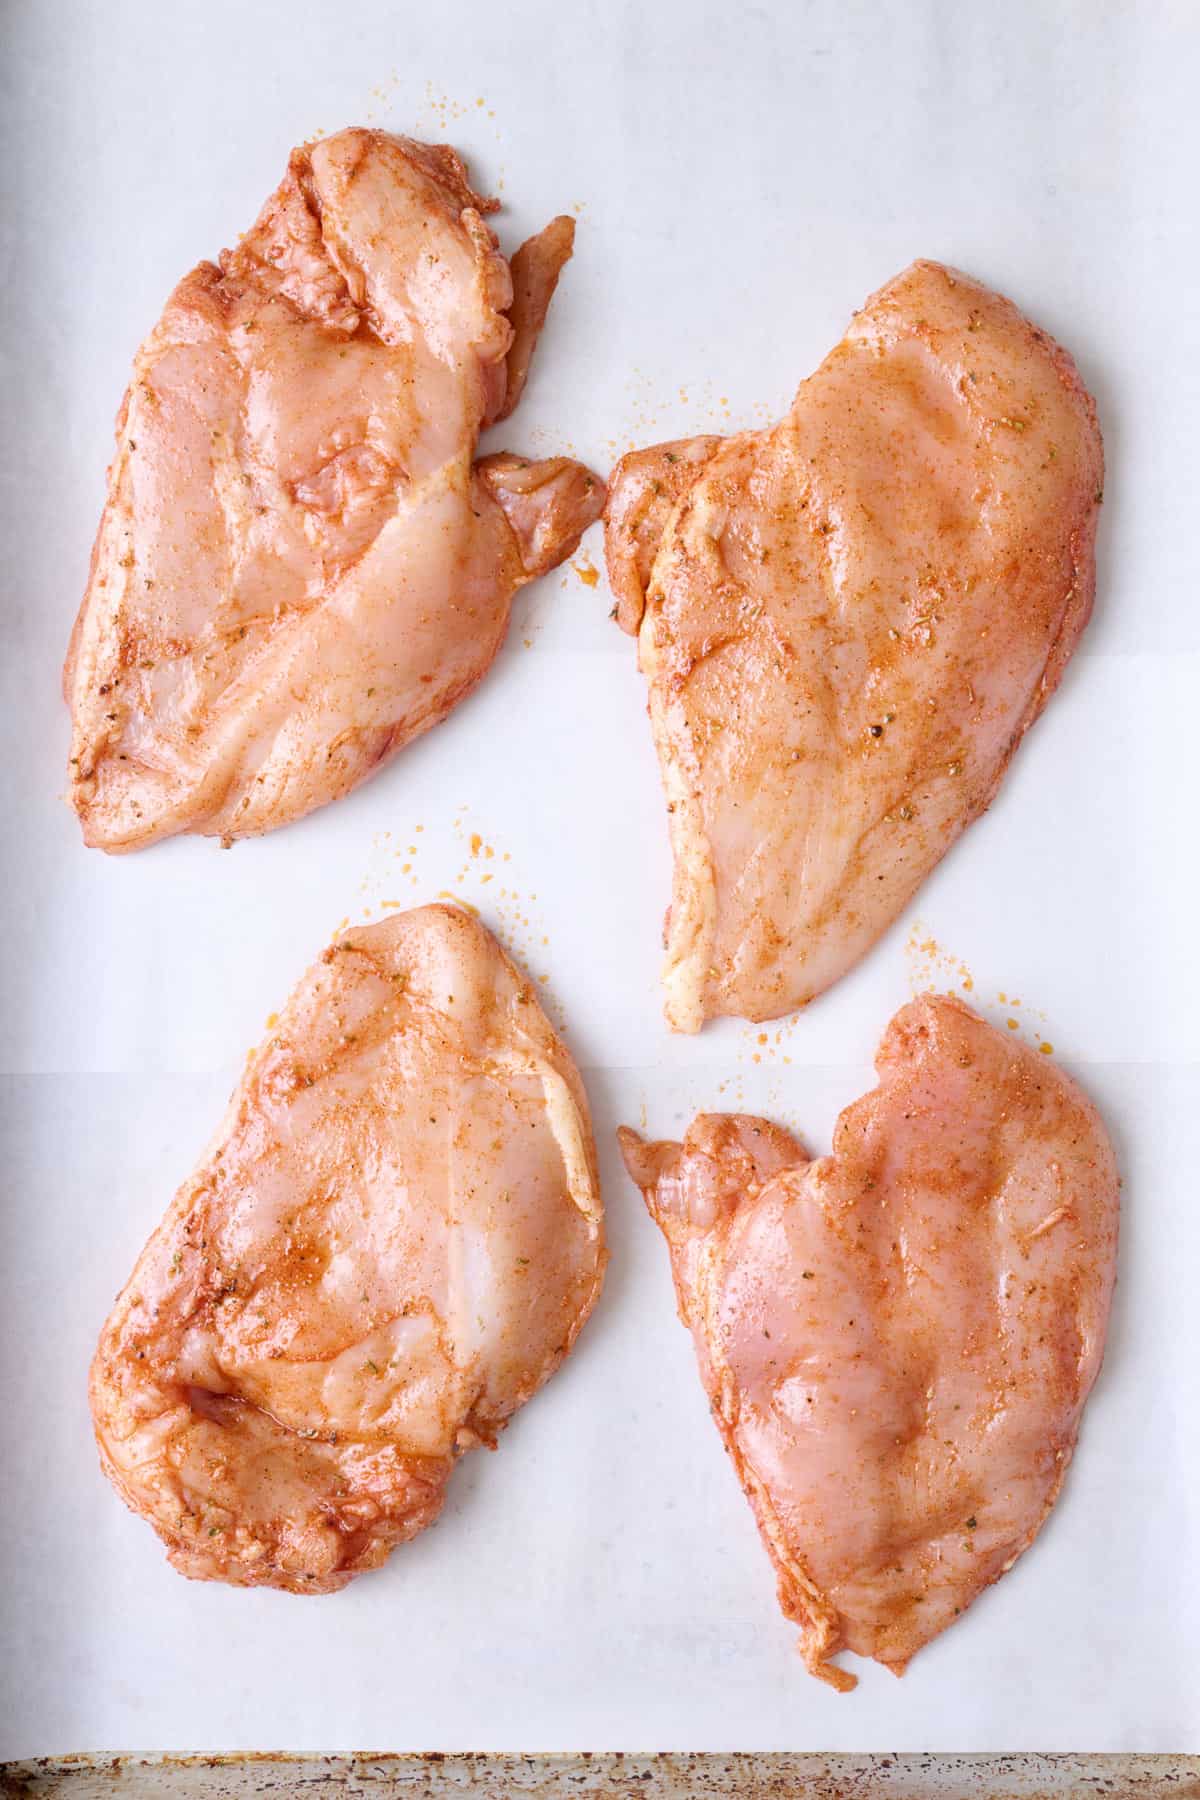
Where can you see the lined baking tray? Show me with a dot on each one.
(742, 177)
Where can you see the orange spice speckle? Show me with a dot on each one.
(272, 1021)
(1046, 1049)
(476, 843)
(445, 894)
(932, 967)
(1011, 1023)
(587, 571)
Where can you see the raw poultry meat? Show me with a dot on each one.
(392, 1243)
(847, 622)
(300, 567)
(898, 1339)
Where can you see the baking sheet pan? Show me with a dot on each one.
(742, 178)
(611, 1777)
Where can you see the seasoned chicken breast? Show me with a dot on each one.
(847, 623)
(300, 566)
(391, 1244)
(897, 1339)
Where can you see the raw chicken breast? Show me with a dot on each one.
(392, 1243)
(847, 623)
(898, 1339)
(300, 567)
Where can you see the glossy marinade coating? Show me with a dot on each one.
(847, 623)
(898, 1339)
(300, 566)
(391, 1244)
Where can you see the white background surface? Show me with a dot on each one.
(744, 175)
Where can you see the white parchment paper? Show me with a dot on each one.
(743, 177)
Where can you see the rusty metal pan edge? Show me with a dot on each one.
(663, 1776)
